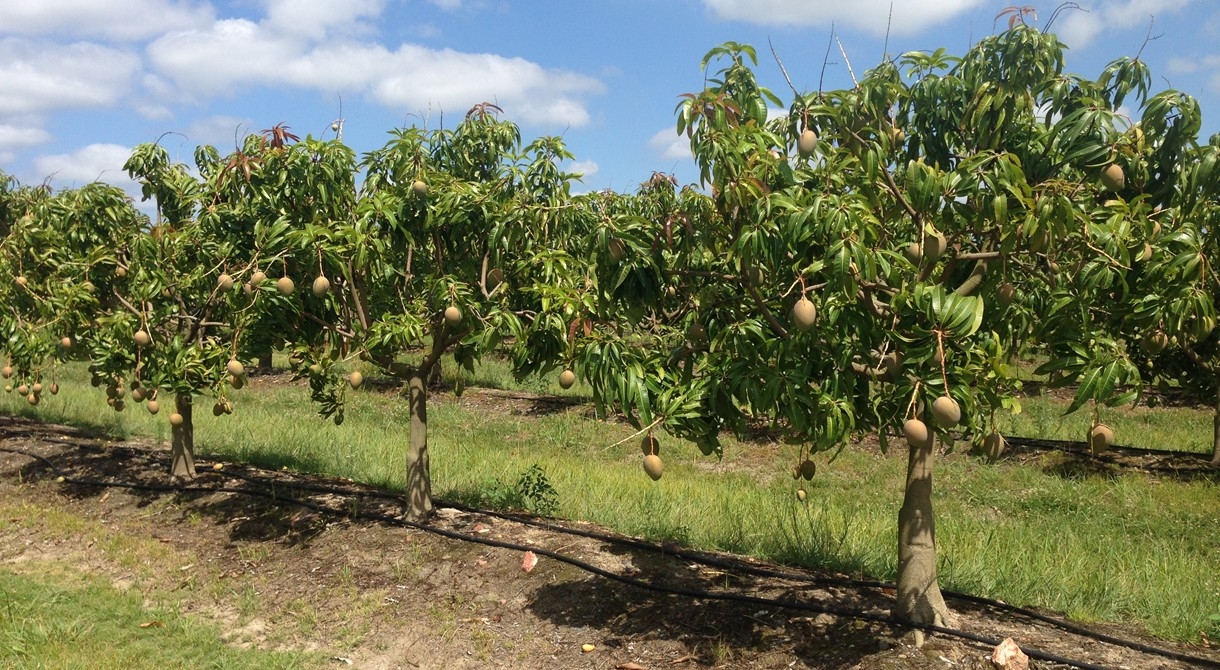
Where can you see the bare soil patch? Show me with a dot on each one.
(283, 560)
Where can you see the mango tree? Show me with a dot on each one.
(454, 244)
(1169, 325)
(64, 255)
(873, 261)
(200, 283)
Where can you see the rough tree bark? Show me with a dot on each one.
(182, 451)
(419, 480)
(1216, 431)
(919, 597)
(264, 362)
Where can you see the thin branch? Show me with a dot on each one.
(782, 69)
(347, 334)
(847, 61)
(889, 22)
(826, 59)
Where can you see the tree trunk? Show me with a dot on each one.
(919, 597)
(264, 362)
(183, 449)
(419, 481)
(1216, 431)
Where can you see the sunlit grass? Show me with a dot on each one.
(1115, 547)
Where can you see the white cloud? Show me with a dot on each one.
(37, 76)
(317, 18)
(95, 162)
(222, 132)
(447, 5)
(1079, 27)
(115, 19)
(584, 168)
(670, 145)
(14, 136)
(909, 16)
(238, 53)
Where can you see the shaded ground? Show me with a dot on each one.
(274, 560)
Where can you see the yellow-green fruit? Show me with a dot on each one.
(649, 445)
(914, 253)
(53, 389)
(1038, 241)
(355, 379)
(119, 405)
(993, 445)
(315, 369)
(137, 394)
(218, 409)
(36, 389)
(66, 343)
(153, 406)
(8, 388)
(32, 398)
(807, 143)
(321, 286)
(247, 288)
(898, 136)
(616, 249)
(808, 469)
(494, 278)
(175, 419)
(803, 314)
(653, 466)
(566, 379)
(420, 187)
(934, 246)
(916, 433)
(23, 389)
(946, 412)
(801, 495)
(1202, 327)
(1113, 177)
(1154, 342)
(235, 367)
(21, 281)
(891, 365)
(1005, 292)
(453, 315)
(1101, 438)
(258, 278)
(7, 371)
(90, 288)
(285, 286)
(237, 381)
(120, 272)
(224, 282)
(142, 338)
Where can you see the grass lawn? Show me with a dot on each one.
(1114, 546)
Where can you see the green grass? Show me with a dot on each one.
(1167, 428)
(1114, 546)
(55, 623)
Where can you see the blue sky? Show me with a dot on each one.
(83, 81)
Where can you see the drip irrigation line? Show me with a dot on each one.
(738, 566)
(612, 576)
(1066, 445)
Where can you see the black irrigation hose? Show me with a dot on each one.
(711, 561)
(704, 559)
(648, 586)
(1065, 445)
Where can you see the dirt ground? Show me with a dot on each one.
(285, 561)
